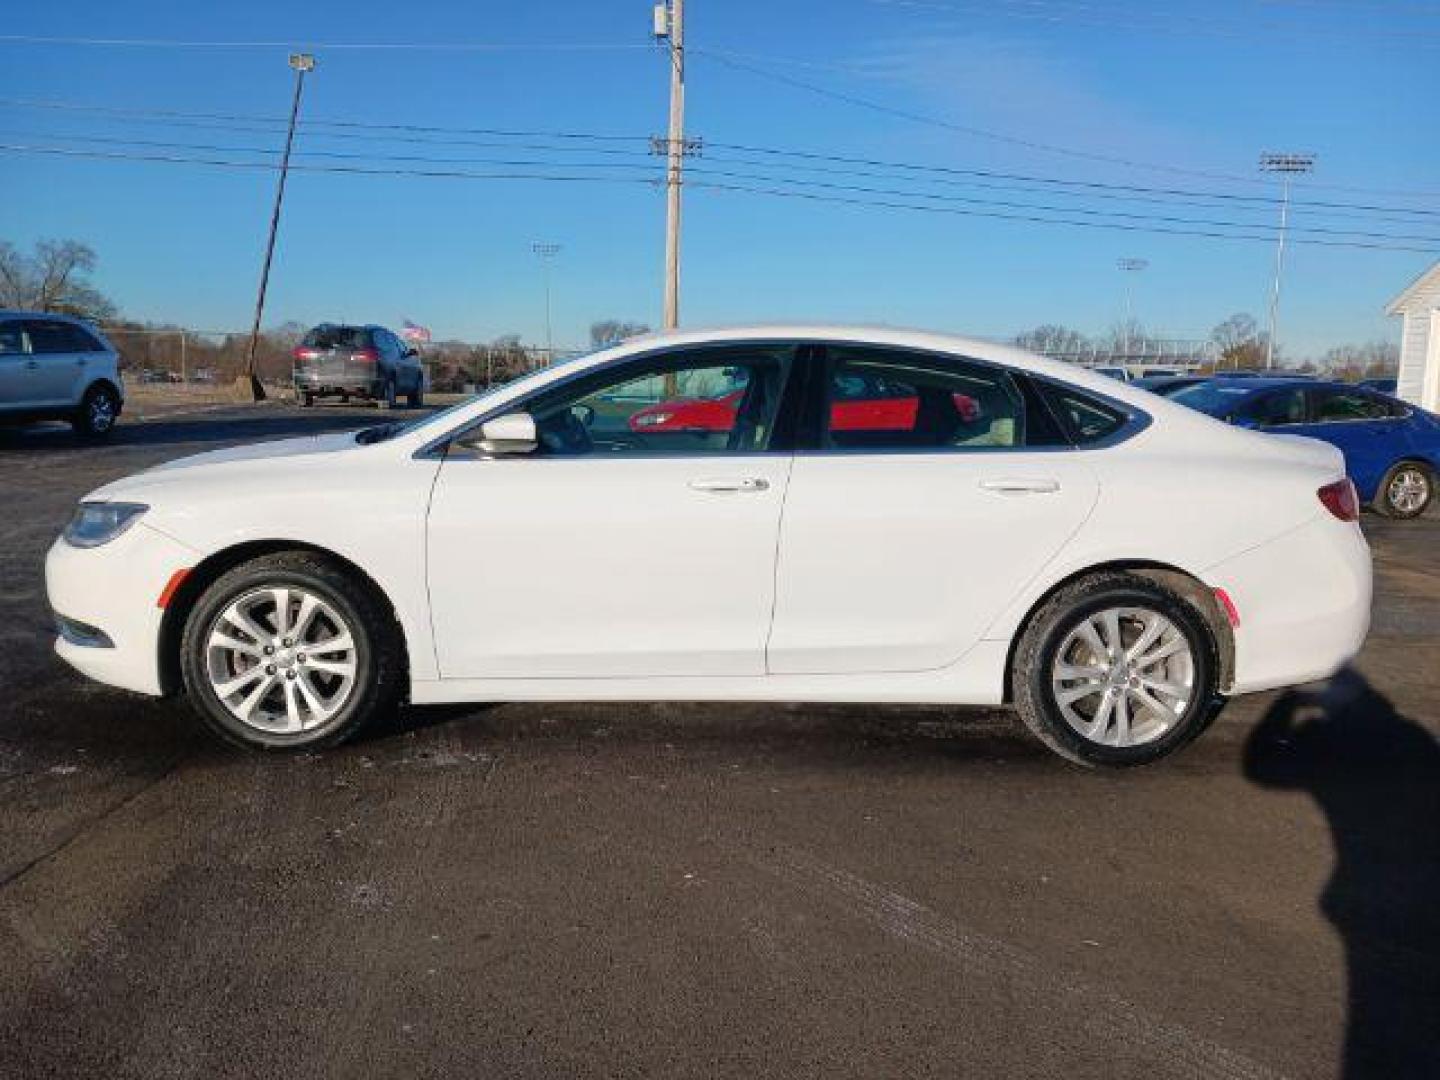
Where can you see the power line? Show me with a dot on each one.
(417, 133)
(358, 46)
(722, 173)
(1163, 229)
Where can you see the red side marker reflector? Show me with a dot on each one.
(1231, 612)
(171, 588)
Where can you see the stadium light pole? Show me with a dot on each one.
(301, 63)
(1287, 166)
(546, 252)
(1128, 267)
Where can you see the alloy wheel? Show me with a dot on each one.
(1123, 676)
(281, 660)
(1409, 490)
(102, 412)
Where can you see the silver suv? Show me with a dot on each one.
(53, 367)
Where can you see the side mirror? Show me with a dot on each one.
(513, 433)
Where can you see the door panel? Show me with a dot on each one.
(596, 567)
(900, 562)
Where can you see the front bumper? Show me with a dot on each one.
(1304, 604)
(114, 589)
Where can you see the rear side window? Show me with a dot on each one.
(1086, 419)
(11, 340)
(888, 399)
(1276, 409)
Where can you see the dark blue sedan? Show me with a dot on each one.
(1392, 450)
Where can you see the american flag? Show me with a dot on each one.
(411, 332)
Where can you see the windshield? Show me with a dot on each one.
(384, 432)
(1214, 398)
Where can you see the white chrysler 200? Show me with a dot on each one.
(761, 514)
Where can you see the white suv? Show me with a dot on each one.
(53, 367)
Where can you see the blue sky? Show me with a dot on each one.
(1198, 88)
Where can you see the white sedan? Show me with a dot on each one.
(761, 514)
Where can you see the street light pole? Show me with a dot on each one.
(670, 27)
(1128, 267)
(301, 63)
(546, 252)
(1287, 165)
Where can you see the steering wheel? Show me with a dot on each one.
(562, 432)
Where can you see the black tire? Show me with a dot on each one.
(416, 398)
(98, 411)
(1417, 473)
(378, 648)
(1034, 694)
(388, 398)
(307, 400)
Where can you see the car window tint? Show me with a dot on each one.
(338, 337)
(1086, 419)
(11, 340)
(53, 337)
(1275, 409)
(1339, 405)
(707, 402)
(888, 399)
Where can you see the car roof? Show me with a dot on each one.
(58, 316)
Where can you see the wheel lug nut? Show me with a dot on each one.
(290, 674)
(289, 642)
(269, 669)
(269, 650)
(300, 658)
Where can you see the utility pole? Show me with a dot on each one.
(301, 63)
(1287, 165)
(1128, 267)
(546, 252)
(669, 26)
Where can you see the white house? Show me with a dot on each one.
(1419, 306)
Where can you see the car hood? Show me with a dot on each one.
(231, 458)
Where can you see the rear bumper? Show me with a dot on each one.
(318, 383)
(1304, 604)
(113, 589)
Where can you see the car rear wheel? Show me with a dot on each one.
(388, 398)
(1116, 670)
(416, 398)
(1407, 491)
(290, 652)
(99, 409)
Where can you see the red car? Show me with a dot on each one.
(861, 403)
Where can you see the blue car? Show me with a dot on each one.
(1392, 450)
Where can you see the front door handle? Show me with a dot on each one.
(1021, 485)
(748, 483)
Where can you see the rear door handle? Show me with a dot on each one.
(748, 483)
(1021, 485)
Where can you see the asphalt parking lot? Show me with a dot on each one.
(717, 890)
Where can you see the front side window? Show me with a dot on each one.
(886, 399)
(1333, 406)
(1277, 409)
(707, 401)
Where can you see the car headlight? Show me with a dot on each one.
(97, 523)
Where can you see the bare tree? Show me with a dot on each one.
(1053, 340)
(54, 277)
(1240, 342)
(611, 331)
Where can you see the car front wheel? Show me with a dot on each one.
(290, 651)
(1407, 491)
(1116, 670)
(98, 411)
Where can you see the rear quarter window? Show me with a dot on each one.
(1086, 419)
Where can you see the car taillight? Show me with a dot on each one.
(1341, 499)
(302, 353)
(368, 356)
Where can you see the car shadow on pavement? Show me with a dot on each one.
(199, 430)
(1376, 776)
